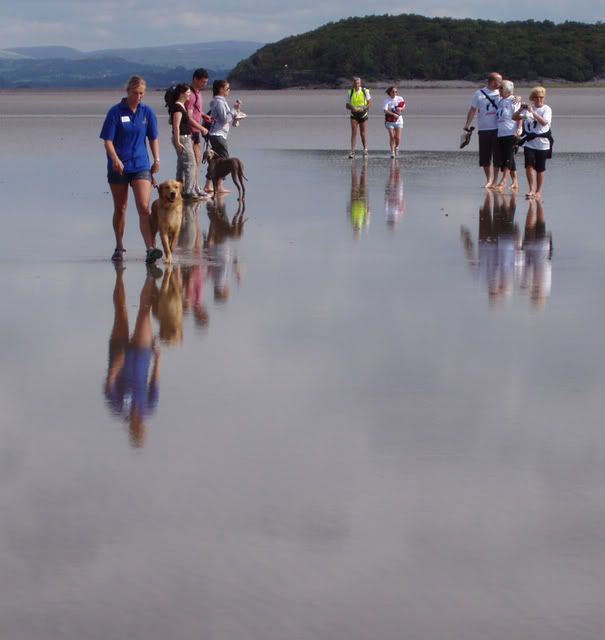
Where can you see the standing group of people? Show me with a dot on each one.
(359, 102)
(131, 124)
(506, 122)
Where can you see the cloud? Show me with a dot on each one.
(136, 23)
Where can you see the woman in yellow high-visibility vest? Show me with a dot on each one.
(358, 104)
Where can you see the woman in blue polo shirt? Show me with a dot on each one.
(127, 127)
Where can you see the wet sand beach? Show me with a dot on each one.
(376, 410)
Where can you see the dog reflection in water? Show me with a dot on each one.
(221, 232)
(131, 389)
(168, 307)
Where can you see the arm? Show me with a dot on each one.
(176, 122)
(155, 152)
(470, 116)
(194, 124)
(118, 165)
(537, 117)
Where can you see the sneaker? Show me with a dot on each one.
(392, 154)
(365, 152)
(396, 151)
(352, 154)
(152, 255)
(190, 196)
(117, 256)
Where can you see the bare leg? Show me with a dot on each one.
(353, 134)
(515, 181)
(539, 183)
(119, 193)
(197, 151)
(142, 195)
(488, 176)
(362, 131)
(530, 174)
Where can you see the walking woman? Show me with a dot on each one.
(358, 103)
(393, 120)
(127, 127)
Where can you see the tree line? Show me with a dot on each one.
(385, 47)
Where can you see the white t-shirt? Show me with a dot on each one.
(531, 125)
(485, 108)
(390, 104)
(506, 125)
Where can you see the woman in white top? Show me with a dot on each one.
(536, 118)
(508, 135)
(394, 106)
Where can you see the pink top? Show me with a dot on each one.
(194, 104)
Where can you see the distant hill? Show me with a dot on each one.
(66, 53)
(64, 67)
(383, 48)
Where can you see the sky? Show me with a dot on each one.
(100, 24)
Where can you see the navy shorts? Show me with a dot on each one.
(127, 178)
(488, 148)
(535, 158)
(195, 137)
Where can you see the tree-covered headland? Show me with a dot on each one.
(383, 48)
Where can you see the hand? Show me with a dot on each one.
(118, 166)
(180, 148)
(204, 131)
(155, 167)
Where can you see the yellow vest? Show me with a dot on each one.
(358, 98)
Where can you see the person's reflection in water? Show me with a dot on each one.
(537, 247)
(168, 307)
(394, 202)
(131, 392)
(359, 207)
(221, 232)
(498, 251)
(191, 239)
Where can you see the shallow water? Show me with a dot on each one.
(379, 414)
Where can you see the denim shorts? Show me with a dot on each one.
(127, 178)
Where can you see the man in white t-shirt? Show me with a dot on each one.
(485, 104)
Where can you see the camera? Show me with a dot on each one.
(524, 105)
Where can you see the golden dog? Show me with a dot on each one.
(167, 215)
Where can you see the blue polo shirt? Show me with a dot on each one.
(128, 131)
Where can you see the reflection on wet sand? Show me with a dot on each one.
(133, 374)
(537, 248)
(394, 201)
(501, 259)
(221, 234)
(359, 205)
(132, 394)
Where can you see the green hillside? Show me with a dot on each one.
(382, 48)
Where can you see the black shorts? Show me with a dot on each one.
(219, 145)
(359, 116)
(195, 137)
(488, 147)
(535, 158)
(506, 152)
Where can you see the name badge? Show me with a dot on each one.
(125, 118)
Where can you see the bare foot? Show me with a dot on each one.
(489, 185)
(498, 187)
(514, 187)
(208, 190)
(492, 186)
(538, 196)
(530, 196)
(223, 191)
